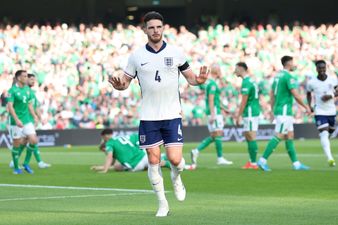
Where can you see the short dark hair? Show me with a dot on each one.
(106, 131)
(243, 65)
(320, 62)
(19, 73)
(152, 16)
(286, 59)
(31, 75)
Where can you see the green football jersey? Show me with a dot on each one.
(212, 89)
(35, 103)
(134, 139)
(21, 98)
(124, 151)
(281, 87)
(249, 88)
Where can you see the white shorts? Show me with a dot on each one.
(142, 165)
(217, 125)
(18, 132)
(250, 123)
(284, 124)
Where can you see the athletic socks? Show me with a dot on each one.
(290, 147)
(205, 143)
(273, 143)
(15, 157)
(252, 149)
(324, 140)
(156, 180)
(30, 149)
(218, 144)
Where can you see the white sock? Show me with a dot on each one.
(262, 160)
(176, 170)
(296, 164)
(324, 140)
(156, 180)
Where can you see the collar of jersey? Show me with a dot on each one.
(150, 49)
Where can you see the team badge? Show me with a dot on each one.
(168, 61)
(142, 139)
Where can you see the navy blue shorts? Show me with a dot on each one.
(156, 133)
(325, 121)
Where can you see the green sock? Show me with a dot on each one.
(37, 155)
(290, 147)
(219, 149)
(205, 143)
(29, 152)
(15, 157)
(252, 148)
(270, 147)
(21, 148)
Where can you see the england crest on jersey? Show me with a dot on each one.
(168, 61)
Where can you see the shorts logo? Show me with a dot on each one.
(319, 122)
(168, 61)
(142, 139)
(179, 130)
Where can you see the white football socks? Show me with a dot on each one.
(156, 180)
(176, 170)
(324, 140)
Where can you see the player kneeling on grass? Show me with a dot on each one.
(123, 153)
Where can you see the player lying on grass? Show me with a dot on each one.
(123, 153)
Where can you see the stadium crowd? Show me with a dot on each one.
(72, 65)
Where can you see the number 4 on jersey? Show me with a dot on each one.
(157, 77)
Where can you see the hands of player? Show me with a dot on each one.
(203, 76)
(212, 119)
(238, 120)
(326, 98)
(19, 123)
(117, 83)
(308, 111)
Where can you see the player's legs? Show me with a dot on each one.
(21, 149)
(250, 129)
(325, 125)
(142, 165)
(29, 131)
(173, 142)
(290, 147)
(150, 139)
(17, 136)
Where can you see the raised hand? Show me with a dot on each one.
(203, 76)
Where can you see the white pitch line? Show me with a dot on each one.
(75, 188)
(65, 197)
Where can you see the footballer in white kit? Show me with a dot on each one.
(157, 67)
(323, 88)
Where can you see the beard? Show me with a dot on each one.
(155, 40)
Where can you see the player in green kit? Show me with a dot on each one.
(21, 112)
(215, 119)
(36, 152)
(282, 94)
(249, 110)
(123, 153)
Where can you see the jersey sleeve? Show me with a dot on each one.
(291, 82)
(183, 65)
(10, 96)
(110, 147)
(130, 70)
(245, 88)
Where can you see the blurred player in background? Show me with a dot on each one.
(284, 89)
(249, 110)
(324, 90)
(215, 119)
(157, 67)
(123, 153)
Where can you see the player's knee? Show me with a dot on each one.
(175, 161)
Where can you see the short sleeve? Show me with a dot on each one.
(10, 96)
(245, 88)
(130, 70)
(182, 61)
(291, 82)
(109, 148)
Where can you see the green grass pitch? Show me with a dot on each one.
(215, 194)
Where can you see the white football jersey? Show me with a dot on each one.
(320, 88)
(158, 75)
